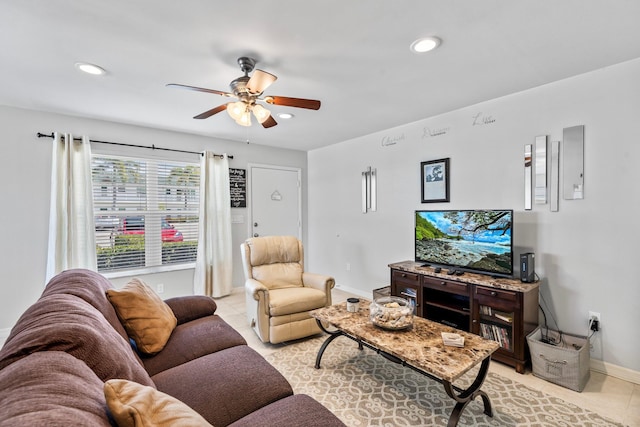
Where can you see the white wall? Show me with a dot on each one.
(25, 186)
(585, 253)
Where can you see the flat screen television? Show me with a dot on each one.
(466, 240)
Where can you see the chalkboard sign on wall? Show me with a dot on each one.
(238, 184)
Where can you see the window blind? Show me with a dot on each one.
(146, 212)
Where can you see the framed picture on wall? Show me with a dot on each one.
(435, 181)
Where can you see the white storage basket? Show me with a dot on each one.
(565, 363)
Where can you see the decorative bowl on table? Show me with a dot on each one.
(393, 313)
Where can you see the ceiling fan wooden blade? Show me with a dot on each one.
(259, 81)
(270, 122)
(211, 112)
(310, 104)
(200, 89)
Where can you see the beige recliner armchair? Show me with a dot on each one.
(279, 292)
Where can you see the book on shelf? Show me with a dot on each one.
(409, 292)
(502, 315)
(505, 317)
(496, 333)
(452, 339)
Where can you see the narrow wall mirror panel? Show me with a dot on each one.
(554, 185)
(365, 192)
(540, 193)
(527, 177)
(573, 163)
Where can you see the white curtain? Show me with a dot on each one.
(214, 262)
(72, 241)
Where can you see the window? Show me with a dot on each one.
(146, 213)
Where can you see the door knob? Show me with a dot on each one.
(255, 234)
(255, 224)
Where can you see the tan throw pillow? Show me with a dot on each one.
(132, 404)
(147, 319)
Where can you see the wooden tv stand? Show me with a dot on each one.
(502, 309)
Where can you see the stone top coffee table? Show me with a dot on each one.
(419, 348)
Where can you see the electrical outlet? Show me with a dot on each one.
(595, 318)
(160, 288)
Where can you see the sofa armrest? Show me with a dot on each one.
(191, 307)
(320, 282)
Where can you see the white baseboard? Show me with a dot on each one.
(615, 371)
(358, 292)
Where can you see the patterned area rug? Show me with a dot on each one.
(364, 389)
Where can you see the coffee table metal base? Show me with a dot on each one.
(461, 396)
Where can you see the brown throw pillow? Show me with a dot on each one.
(132, 404)
(147, 319)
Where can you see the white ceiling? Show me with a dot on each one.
(353, 55)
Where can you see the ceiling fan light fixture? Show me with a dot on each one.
(236, 109)
(286, 116)
(261, 113)
(248, 90)
(425, 44)
(259, 81)
(244, 119)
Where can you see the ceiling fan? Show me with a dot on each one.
(248, 91)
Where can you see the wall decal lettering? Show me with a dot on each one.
(391, 140)
(430, 133)
(482, 119)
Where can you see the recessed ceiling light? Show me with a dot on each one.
(90, 68)
(425, 44)
(285, 116)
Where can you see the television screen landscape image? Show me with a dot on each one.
(470, 240)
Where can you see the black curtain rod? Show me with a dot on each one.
(153, 147)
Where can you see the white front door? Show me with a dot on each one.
(275, 201)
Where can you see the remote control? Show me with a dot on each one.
(437, 270)
(450, 272)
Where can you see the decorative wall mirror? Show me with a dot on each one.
(540, 193)
(527, 177)
(573, 163)
(554, 185)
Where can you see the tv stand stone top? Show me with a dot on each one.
(471, 278)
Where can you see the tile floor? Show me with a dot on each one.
(608, 396)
